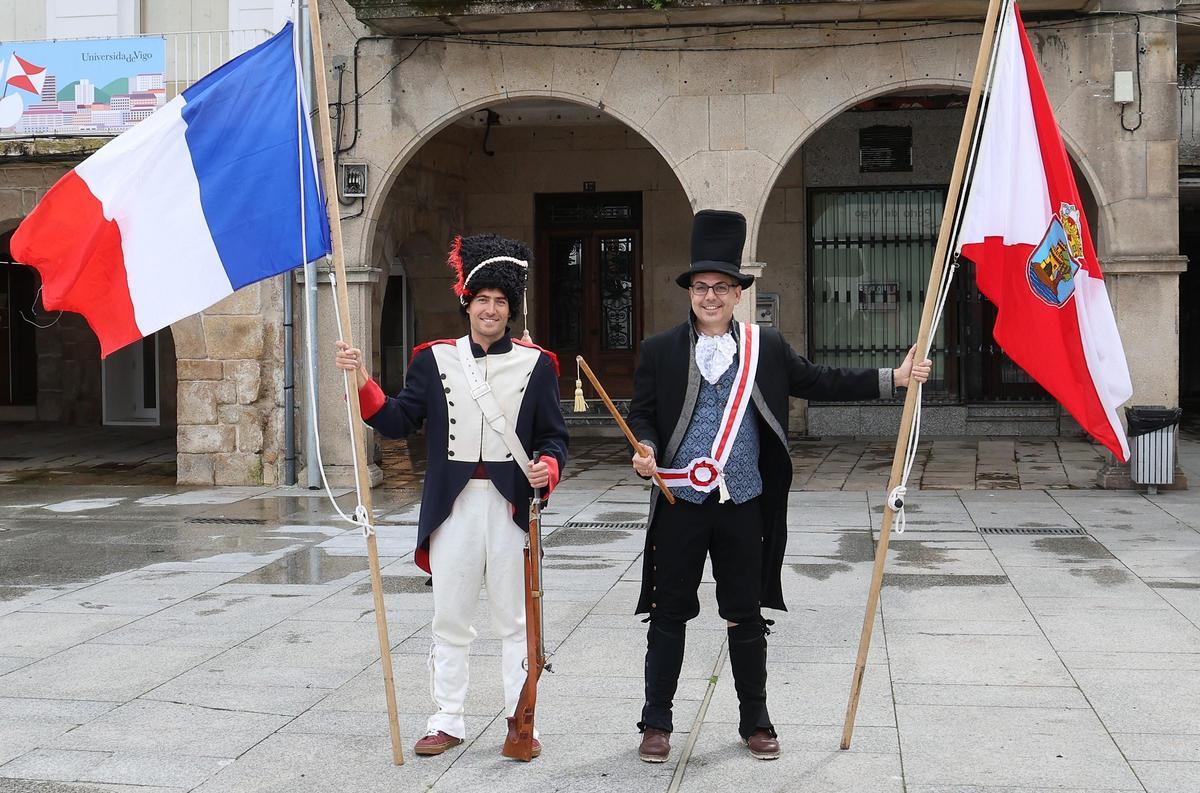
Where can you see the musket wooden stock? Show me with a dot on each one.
(520, 746)
(637, 446)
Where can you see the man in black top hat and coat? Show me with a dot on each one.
(710, 407)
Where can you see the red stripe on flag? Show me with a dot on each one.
(78, 253)
(1041, 339)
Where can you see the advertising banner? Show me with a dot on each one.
(80, 86)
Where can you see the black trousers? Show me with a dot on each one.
(682, 536)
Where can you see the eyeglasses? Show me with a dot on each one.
(701, 289)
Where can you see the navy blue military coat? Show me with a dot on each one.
(457, 438)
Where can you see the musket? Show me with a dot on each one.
(521, 747)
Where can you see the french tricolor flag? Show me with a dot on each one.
(1025, 230)
(200, 199)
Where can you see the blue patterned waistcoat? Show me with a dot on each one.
(742, 477)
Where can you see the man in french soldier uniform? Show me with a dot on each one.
(487, 402)
(710, 404)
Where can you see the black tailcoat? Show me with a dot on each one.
(666, 384)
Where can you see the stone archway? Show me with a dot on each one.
(624, 199)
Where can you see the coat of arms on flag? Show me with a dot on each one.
(1053, 264)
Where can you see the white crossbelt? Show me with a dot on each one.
(481, 392)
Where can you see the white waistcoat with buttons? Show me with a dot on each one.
(469, 437)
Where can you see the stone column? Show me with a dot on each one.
(1144, 291)
(745, 310)
(334, 428)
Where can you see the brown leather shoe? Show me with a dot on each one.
(436, 743)
(763, 745)
(656, 745)
(512, 736)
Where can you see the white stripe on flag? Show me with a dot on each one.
(146, 183)
(1102, 349)
(1008, 194)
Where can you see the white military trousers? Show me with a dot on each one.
(478, 543)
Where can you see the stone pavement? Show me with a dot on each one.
(1031, 637)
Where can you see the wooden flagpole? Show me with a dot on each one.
(910, 400)
(343, 299)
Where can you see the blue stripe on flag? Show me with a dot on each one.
(241, 132)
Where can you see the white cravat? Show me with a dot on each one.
(714, 354)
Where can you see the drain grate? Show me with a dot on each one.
(584, 524)
(229, 521)
(1057, 531)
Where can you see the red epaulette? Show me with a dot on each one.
(427, 345)
(533, 346)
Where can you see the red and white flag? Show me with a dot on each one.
(1025, 231)
(23, 74)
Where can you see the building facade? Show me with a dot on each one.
(593, 130)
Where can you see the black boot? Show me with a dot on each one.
(748, 661)
(664, 659)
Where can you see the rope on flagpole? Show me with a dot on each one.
(360, 517)
(895, 498)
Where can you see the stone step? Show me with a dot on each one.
(597, 422)
(1012, 411)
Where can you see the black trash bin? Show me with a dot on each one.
(1152, 444)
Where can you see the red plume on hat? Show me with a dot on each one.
(455, 262)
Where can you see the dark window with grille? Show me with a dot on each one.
(870, 252)
(885, 149)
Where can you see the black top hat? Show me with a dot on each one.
(717, 240)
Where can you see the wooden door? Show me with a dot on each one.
(590, 299)
(593, 305)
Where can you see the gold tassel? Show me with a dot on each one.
(724, 491)
(580, 403)
(526, 337)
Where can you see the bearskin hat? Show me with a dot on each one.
(488, 261)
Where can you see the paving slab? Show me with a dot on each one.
(1031, 747)
(171, 728)
(103, 672)
(719, 762)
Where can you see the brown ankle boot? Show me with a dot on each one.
(763, 745)
(656, 745)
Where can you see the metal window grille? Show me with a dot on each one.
(870, 253)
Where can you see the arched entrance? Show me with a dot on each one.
(849, 233)
(604, 213)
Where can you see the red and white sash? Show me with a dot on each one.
(706, 474)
